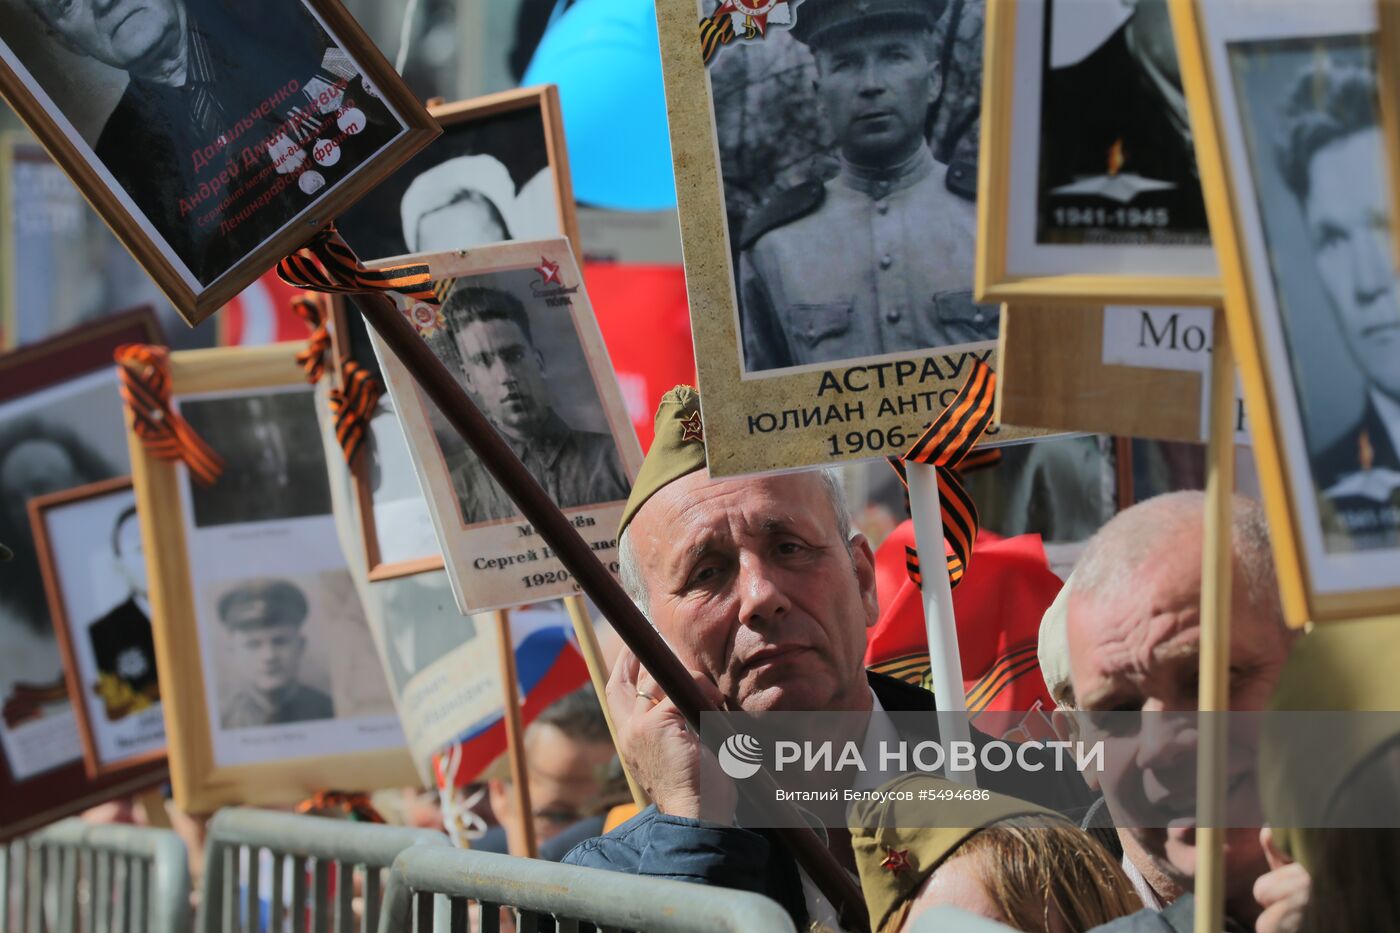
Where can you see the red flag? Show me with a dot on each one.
(998, 605)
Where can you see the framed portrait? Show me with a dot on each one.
(499, 171)
(272, 687)
(89, 544)
(1089, 188)
(50, 232)
(1294, 165)
(518, 332)
(60, 428)
(212, 137)
(395, 523)
(829, 236)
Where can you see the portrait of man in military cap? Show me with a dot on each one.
(862, 243)
(264, 620)
(504, 358)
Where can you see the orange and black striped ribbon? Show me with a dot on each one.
(145, 385)
(947, 445)
(313, 358)
(352, 404)
(327, 264)
(716, 30)
(354, 805)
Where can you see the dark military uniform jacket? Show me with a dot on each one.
(861, 265)
(299, 703)
(575, 467)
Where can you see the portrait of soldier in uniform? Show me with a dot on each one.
(1117, 161)
(264, 620)
(491, 343)
(872, 253)
(1331, 156)
(231, 118)
(122, 645)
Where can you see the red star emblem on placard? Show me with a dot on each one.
(549, 272)
(896, 860)
(691, 428)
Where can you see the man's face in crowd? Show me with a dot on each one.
(31, 469)
(505, 373)
(131, 559)
(876, 88)
(463, 224)
(269, 656)
(1139, 652)
(1349, 225)
(125, 34)
(565, 776)
(749, 582)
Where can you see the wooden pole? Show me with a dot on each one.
(945, 660)
(1216, 571)
(598, 674)
(521, 838)
(598, 583)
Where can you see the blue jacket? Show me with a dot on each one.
(658, 845)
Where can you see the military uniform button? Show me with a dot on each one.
(886, 261)
(977, 318)
(892, 316)
(882, 208)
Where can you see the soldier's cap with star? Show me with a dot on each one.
(677, 449)
(262, 604)
(819, 21)
(895, 847)
(1338, 667)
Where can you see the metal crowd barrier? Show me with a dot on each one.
(259, 863)
(474, 886)
(98, 878)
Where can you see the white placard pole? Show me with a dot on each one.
(944, 659)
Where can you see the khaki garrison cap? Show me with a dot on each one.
(895, 848)
(677, 449)
(818, 21)
(262, 604)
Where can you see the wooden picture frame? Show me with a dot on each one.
(126, 639)
(873, 332)
(1240, 64)
(54, 391)
(508, 151)
(177, 202)
(1084, 224)
(350, 340)
(1388, 64)
(524, 312)
(287, 768)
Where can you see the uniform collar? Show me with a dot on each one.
(880, 183)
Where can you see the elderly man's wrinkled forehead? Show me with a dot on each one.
(699, 504)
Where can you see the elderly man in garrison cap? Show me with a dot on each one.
(764, 593)
(880, 258)
(264, 620)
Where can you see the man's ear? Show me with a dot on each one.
(864, 560)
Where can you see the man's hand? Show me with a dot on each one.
(1282, 891)
(660, 749)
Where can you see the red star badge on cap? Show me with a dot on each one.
(549, 272)
(691, 428)
(896, 860)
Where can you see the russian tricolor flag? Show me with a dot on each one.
(548, 665)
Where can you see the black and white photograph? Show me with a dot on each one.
(270, 472)
(847, 143)
(203, 129)
(1117, 163)
(1093, 192)
(95, 570)
(517, 331)
(50, 232)
(520, 359)
(55, 439)
(498, 172)
(1310, 110)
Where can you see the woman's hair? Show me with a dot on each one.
(1034, 869)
